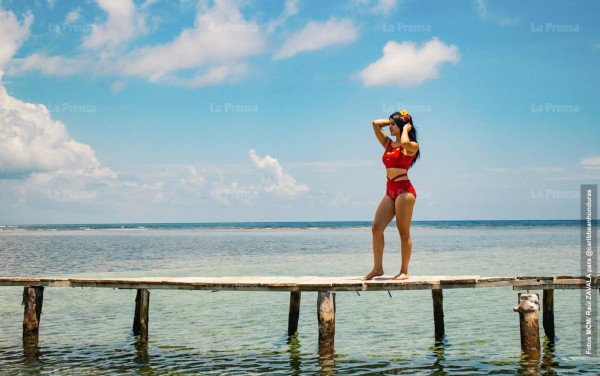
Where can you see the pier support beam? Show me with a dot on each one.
(326, 317)
(528, 309)
(140, 320)
(33, 298)
(438, 313)
(294, 312)
(548, 314)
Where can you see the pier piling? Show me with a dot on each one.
(294, 312)
(548, 314)
(140, 319)
(438, 313)
(33, 298)
(528, 309)
(326, 318)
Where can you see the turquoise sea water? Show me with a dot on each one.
(88, 331)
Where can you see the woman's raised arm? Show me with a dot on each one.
(379, 133)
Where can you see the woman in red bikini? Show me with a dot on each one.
(400, 196)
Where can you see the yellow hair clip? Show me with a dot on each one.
(405, 115)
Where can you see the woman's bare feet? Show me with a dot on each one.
(401, 276)
(374, 273)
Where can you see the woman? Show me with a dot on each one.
(400, 196)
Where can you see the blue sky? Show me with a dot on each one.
(201, 111)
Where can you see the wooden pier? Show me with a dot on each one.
(527, 303)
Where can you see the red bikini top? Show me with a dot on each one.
(393, 157)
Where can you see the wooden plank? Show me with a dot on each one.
(310, 283)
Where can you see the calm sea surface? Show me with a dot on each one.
(88, 331)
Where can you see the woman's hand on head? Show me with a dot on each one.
(408, 127)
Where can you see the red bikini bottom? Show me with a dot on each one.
(396, 187)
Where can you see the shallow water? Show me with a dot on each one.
(230, 333)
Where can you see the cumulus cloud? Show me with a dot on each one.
(405, 64)
(31, 141)
(123, 23)
(214, 51)
(318, 35)
(274, 179)
(12, 34)
(216, 47)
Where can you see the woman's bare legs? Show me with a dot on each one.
(404, 208)
(383, 216)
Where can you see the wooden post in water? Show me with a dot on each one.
(326, 317)
(33, 298)
(528, 309)
(140, 320)
(294, 312)
(548, 314)
(438, 312)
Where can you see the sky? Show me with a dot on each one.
(122, 111)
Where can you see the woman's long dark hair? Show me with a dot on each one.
(412, 134)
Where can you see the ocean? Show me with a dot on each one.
(88, 331)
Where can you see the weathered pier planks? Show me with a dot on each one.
(311, 283)
(326, 287)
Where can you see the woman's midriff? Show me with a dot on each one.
(393, 172)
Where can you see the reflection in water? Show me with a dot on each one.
(295, 354)
(141, 351)
(31, 351)
(534, 365)
(327, 361)
(439, 348)
(549, 357)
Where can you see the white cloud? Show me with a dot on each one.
(51, 65)
(385, 6)
(318, 35)
(274, 179)
(291, 8)
(73, 15)
(224, 193)
(193, 181)
(482, 9)
(216, 49)
(591, 163)
(12, 34)
(382, 7)
(123, 23)
(404, 64)
(31, 141)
